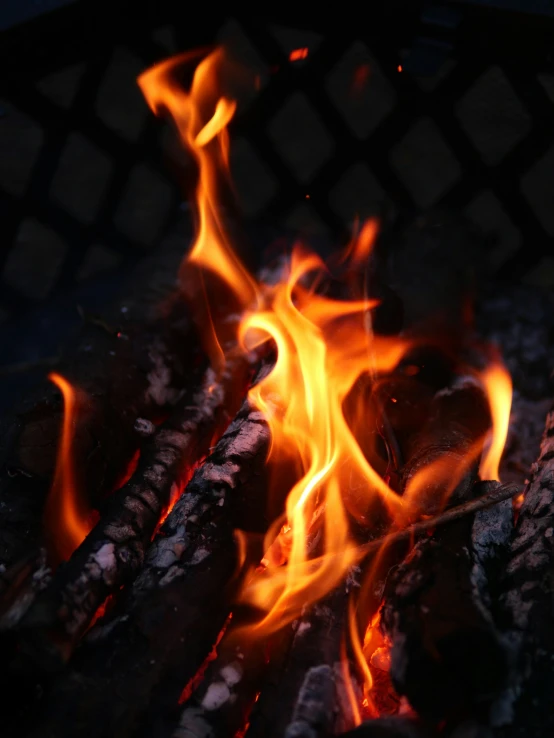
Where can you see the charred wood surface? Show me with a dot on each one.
(177, 606)
(222, 703)
(453, 433)
(114, 551)
(314, 643)
(447, 654)
(527, 605)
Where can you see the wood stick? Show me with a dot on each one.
(314, 643)
(493, 496)
(114, 551)
(179, 603)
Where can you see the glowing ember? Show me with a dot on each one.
(298, 54)
(66, 515)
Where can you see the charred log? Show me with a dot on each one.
(527, 604)
(315, 644)
(223, 701)
(114, 551)
(313, 715)
(144, 654)
(447, 655)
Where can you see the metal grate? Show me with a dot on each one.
(85, 171)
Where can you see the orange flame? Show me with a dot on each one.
(325, 349)
(201, 116)
(498, 387)
(65, 512)
(322, 350)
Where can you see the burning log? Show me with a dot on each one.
(114, 551)
(131, 364)
(314, 713)
(222, 703)
(138, 660)
(527, 608)
(307, 671)
(447, 653)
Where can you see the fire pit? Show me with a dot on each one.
(296, 491)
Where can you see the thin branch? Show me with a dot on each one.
(500, 493)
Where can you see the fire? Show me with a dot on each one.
(65, 513)
(201, 116)
(322, 350)
(325, 350)
(498, 385)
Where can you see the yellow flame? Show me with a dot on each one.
(498, 387)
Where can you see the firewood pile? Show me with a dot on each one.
(207, 540)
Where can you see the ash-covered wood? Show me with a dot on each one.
(314, 713)
(315, 641)
(134, 665)
(527, 605)
(114, 551)
(222, 703)
(447, 654)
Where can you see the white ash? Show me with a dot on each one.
(199, 555)
(166, 551)
(159, 378)
(232, 673)
(193, 724)
(105, 559)
(303, 628)
(144, 427)
(217, 694)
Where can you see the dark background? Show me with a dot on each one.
(91, 182)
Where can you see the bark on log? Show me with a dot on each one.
(527, 606)
(114, 551)
(178, 604)
(314, 714)
(447, 655)
(222, 703)
(315, 642)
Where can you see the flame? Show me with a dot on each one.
(201, 116)
(65, 512)
(498, 387)
(322, 350)
(326, 350)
